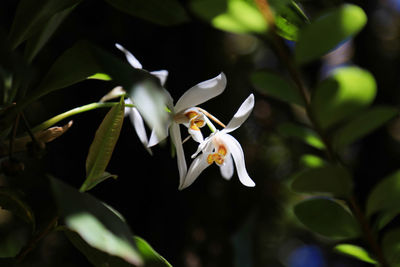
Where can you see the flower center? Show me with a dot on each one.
(218, 157)
(195, 120)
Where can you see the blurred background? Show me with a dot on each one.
(214, 222)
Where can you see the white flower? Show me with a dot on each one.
(185, 112)
(133, 113)
(220, 147)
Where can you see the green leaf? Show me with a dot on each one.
(327, 218)
(11, 200)
(100, 76)
(289, 18)
(36, 43)
(311, 161)
(327, 31)
(98, 225)
(355, 252)
(150, 256)
(345, 92)
(276, 86)
(102, 147)
(325, 179)
(32, 16)
(304, 134)
(391, 246)
(363, 124)
(162, 12)
(385, 196)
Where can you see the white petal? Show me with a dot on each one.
(140, 129)
(196, 135)
(197, 166)
(127, 110)
(227, 168)
(177, 140)
(241, 115)
(206, 146)
(201, 92)
(160, 74)
(154, 139)
(131, 59)
(238, 157)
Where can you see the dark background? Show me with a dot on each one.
(213, 222)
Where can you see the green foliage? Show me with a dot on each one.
(327, 31)
(355, 252)
(311, 161)
(326, 217)
(325, 179)
(274, 85)
(391, 246)
(150, 257)
(102, 147)
(243, 16)
(162, 12)
(302, 133)
(363, 124)
(12, 200)
(345, 92)
(33, 16)
(97, 224)
(385, 196)
(38, 40)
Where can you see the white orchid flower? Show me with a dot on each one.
(186, 112)
(223, 149)
(132, 112)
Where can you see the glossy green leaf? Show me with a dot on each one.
(327, 218)
(304, 134)
(276, 86)
(311, 161)
(150, 256)
(97, 224)
(325, 179)
(391, 247)
(12, 200)
(385, 196)
(102, 147)
(327, 31)
(289, 18)
(355, 252)
(100, 76)
(162, 12)
(345, 92)
(36, 43)
(32, 16)
(363, 124)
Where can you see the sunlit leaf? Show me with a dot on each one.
(304, 134)
(100, 76)
(385, 196)
(162, 12)
(276, 86)
(327, 31)
(36, 43)
(12, 200)
(355, 252)
(32, 16)
(311, 161)
(363, 124)
(345, 92)
(95, 223)
(150, 257)
(391, 246)
(102, 147)
(327, 218)
(325, 179)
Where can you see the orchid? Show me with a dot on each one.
(223, 149)
(133, 112)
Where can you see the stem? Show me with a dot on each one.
(75, 111)
(13, 134)
(34, 241)
(284, 55)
